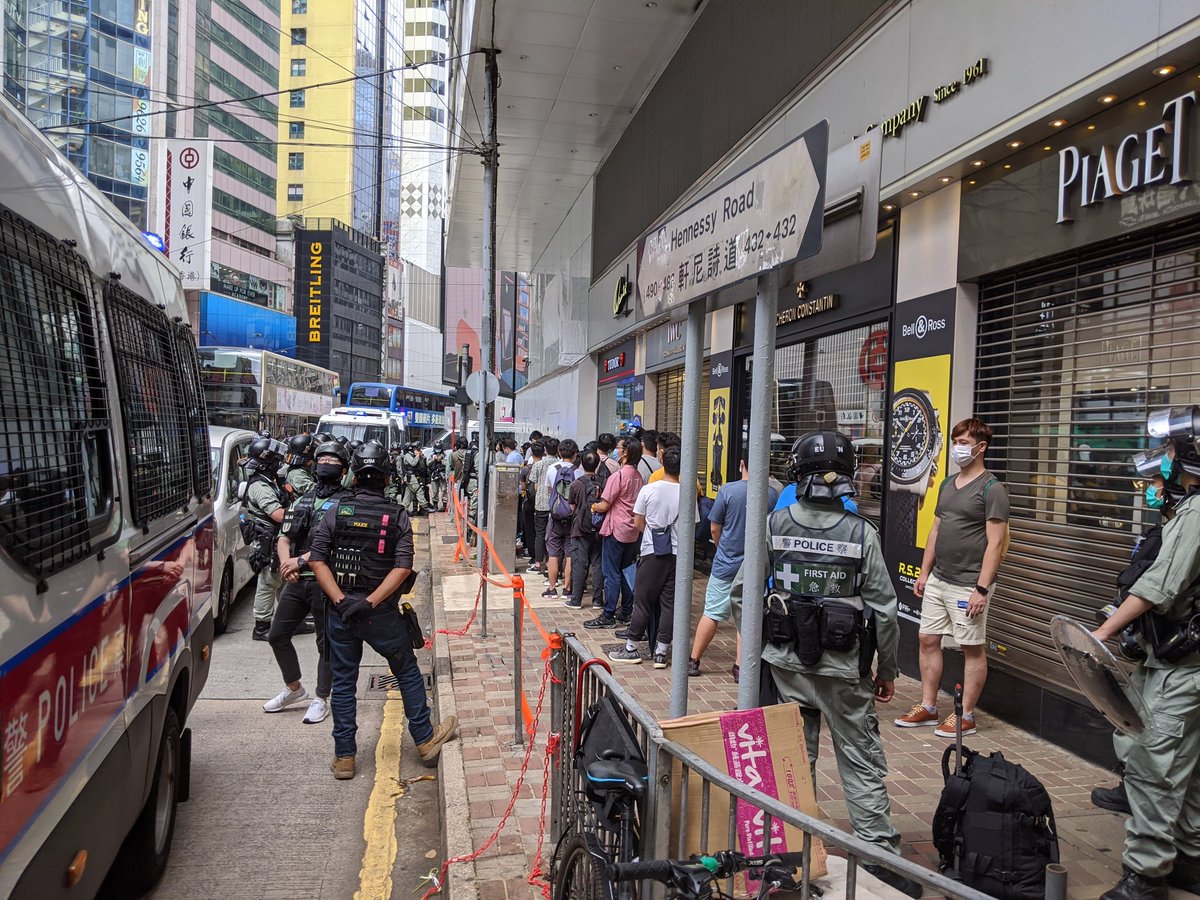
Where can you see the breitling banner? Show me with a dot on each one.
(922, 343)
(720, 381)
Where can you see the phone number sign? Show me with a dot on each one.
(769, 215)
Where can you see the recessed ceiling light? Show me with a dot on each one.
(889, 206)
(510, 106)
(945, 179)
(593, 115)
(1015, 144)
(523, 56)
(574, 151)
(978, 162)
(1092, 127)
(651, 4)
(1047, 147)
(1008, 165)
(1057, 123)
(1141, 103)
(1108, 98)
(914, 193)
(972, 181)
(616, 68)
(1165, 70)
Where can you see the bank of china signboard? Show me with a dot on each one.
(768, 216)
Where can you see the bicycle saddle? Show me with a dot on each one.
(612, 775)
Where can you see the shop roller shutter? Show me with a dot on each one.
(1073, 353)
(669, 410)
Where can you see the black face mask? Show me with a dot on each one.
(329, 472)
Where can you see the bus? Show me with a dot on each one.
(106, 533)
(423, 411)
(264, 391)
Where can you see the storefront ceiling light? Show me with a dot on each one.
(978, 162)
(1092, 127)
(945, 179)
(593, 115)
(523, 56)
(889, 206)
(1047, 147)
(1015, 144)
(651, 4)
(1164, 71)
(1057, 123)
(972, 181)
(1108, 98)
(1141, 103)
(616, 68)
(914, 194)
(1008, 165)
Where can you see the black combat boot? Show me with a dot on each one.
(262, 627)
(894, 879)
(1186, 874)
(1112, 798)
(1133, 886)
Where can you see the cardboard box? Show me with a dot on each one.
(763, 748)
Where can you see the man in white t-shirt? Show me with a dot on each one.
(656, 514)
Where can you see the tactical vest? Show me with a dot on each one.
(366, 531)
(412, 466)
(305, 512)
(437, 468)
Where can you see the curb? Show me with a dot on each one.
(452, 785)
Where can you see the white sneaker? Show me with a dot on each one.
(284, 699)
(318, 711)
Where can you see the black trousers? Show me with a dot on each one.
(529, 528)
(295, 602)
(654, 599)
(585, 555)
(540, 521)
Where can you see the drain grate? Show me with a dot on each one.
(389, 682)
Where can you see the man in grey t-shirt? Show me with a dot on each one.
(957, 573)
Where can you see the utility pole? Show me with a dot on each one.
(487, 338)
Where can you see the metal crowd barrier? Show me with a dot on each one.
(580, 682)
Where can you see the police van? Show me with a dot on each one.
(105, 534)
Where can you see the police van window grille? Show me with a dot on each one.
(55, 472)
(1072, 354)
(197, 419)
(153, 404)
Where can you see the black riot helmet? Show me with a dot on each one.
(266, 455)
(322, 437)
(299, 448)
(342, 439)
(353, 445)
(371, 460)
(823, 465)
(333, 448)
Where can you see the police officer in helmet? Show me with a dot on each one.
(1162, 776)
(437, 477)
(832, 609)
(265, 505)
(299, 459)
(362, 555)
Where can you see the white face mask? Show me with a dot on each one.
(962, 454)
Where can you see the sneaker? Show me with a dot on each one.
(946, 729)
(693, 667)
(894, 879)
(432, 748)
(1113, 798)
(318, 711)
(624, 618)
(918, 715)
(285, 698)
(623, 634)
(660, 660)
(342, 768)
(601, 621)
(625, 655)
(572, 603)
(551, 594)
(1133, 886)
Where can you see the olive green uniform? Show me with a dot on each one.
(1162, 778)
(261, 501)
(833, 688)
(412, 466)
(300, 480)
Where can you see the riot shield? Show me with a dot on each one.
(1102, 680)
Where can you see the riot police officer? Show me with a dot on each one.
(265, 505)
(414, 473)
(301, 595)
(362, 555)
(437, 477)
(833, 607)
(1162, 775)
(299, 459)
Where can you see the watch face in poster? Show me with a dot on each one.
(917, 442)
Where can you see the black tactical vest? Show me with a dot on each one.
(298, 523)
(366, 531)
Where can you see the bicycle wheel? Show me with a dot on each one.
(580, 874)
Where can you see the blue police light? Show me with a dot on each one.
(155, 241)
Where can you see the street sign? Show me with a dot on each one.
(768, 216)
(477, 387)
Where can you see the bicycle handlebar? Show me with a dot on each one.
(727, 863)
(655, 869)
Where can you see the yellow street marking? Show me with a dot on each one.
(379, 822)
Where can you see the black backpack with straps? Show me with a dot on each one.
(994, 827)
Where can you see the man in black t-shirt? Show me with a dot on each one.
(585, 537)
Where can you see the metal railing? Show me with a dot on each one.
(580, 682)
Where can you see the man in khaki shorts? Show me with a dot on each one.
(957, 574)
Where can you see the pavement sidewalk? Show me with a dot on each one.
(475, 677)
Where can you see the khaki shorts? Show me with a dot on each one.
(944, 611)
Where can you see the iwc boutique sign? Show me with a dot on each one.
(1157, 155)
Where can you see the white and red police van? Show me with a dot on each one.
(105, 534)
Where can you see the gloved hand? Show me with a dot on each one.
(353, 608)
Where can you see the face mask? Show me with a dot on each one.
(1166, 467)
(962, 454)
(329, 471)
(1154, 499)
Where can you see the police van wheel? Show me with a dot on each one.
(143, 857)
(579, 873)
(224, 600)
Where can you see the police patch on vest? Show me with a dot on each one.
(815, 579)
(816, 545)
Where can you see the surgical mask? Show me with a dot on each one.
(1154, 499)
(329, 471)
(1166, 467)
(962, 455)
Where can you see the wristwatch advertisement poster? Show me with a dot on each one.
(720, 384)
(917, 435)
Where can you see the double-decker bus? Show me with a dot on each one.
(264, 391)
(423, 411)
(106, 534)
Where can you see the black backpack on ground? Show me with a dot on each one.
(994, 827)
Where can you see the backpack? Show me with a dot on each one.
(994, 827)
(588, 520)
(560, 491)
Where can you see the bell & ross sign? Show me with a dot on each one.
(1158, 155)
(758, 220)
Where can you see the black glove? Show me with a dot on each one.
(353, 608)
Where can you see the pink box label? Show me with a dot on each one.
(748, 759)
